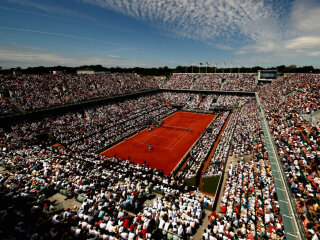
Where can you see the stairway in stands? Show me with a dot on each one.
(203, 99)
(313, 117)
(13, 101)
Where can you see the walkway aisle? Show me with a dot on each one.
(287, 205)
(13, 101)
(63, 203)
(225, 176)
(204, 225)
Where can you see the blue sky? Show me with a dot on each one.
(153, 33)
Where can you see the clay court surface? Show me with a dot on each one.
(168, 144)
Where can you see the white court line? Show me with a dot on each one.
(175, 143)
(154, 134)
(150, 135)
(180, 137)
(154, 145)
(143, 140)
(147, 136)
(158, 137)
(196, 121)
(174, 140)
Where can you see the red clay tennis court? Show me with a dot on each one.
(169, 143)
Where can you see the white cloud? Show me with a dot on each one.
(62, 35)
(267, 46)
(50, 7)
(299, 36)
(314, 54)
(82, 20)
(258, 27)
(26, 57)
(240, 52)
(223, 47)
(305, 16)
(270, 30)
(304, 42)
(221, 20)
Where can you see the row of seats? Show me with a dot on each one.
(249, 207)
(40, 91)
(200, 151)
(210, 81)
(297, 141)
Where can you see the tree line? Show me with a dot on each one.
(160, 71)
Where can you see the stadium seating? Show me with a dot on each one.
(122, 200)
(210, 81)
(40, 91)
(297, 140)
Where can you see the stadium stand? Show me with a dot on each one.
(297, 140)
(6, 106)
(210, 81)
(94, 128)
(221, 152)
(117, 199)
(200, 151)
(39, 91)
(30, 92)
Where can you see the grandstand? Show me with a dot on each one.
(246, 167)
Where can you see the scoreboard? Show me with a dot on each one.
(268, 74)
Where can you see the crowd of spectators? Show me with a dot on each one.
(201, 149)
(194, 101)
(222, 101)
(177, 98)
(208, 101)
(239, 82)
(186, 100)
(303, 88)
(39, 91)
(297, 141)
(220, 155)
(6, 106)
(212, 81)
(180, 216)
(248, 133)
(182, 81)
(114, 191)
(249, 205)
(42, 91)
(35, 171)
(32, 173)
(98, 127)
(204, 101)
